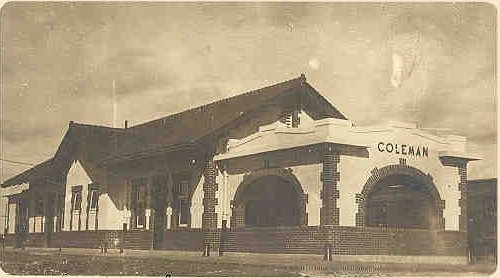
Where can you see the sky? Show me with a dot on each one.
(431, 64)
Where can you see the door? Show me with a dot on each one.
(49, 218)
(159, 201)
(22, 223)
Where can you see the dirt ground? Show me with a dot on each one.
(178, 263)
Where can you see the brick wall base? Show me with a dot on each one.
(300, 240)
(185, 239)
(347, 241)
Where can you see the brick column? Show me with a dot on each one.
(462, 186)
(360, 215)
(463, 221)
(330, 194)
(209, 219)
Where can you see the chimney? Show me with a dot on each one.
(126, 124)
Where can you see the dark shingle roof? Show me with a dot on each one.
(93, 142)
(184, 129)
(37, 171)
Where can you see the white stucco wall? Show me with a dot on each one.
(3, 212)
(12, 218)
(309, 177)
(76, 176)
(110, 217)
(354, 168)
(233, 181)
(355, 171)
(197, 205)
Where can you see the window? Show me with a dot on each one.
(76, 202)
(39, 205)
(291, 118)
(184, 212)
(139, 198)
(94, 198)
(140, 219)
(182, 188)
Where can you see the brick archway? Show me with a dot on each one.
(377, 175)
(238, 209)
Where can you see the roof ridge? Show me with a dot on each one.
(75, 124)
(201, 107)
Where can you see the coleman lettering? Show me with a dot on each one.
(425, 151)
(389, 150)
(403, 149)
(380, 147)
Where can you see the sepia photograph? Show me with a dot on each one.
(247, 139)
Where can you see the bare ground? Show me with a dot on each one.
(178, 263)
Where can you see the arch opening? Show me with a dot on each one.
(402, 201)
(268, 201)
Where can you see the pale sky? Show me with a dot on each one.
(59, 61)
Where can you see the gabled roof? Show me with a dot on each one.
(190, 126)
(186, 129)
(94, 142)
(37, 171)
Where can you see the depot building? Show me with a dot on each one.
(278, 169)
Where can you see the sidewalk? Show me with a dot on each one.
(265, 258)
(185, 263)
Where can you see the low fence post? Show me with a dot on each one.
(223, 237)
(3, 246)
(122, 245)
(206, 252)
(327, 256)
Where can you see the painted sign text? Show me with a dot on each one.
(403, 149)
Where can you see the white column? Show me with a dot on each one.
(169, 218)
(12, 218)
(226, 201)
(127, 214)
(148, 214)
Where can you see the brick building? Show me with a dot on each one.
(483, 216)
(280, 166)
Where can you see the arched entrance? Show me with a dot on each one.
(268, 200)
(401, 201)
(400, 196)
